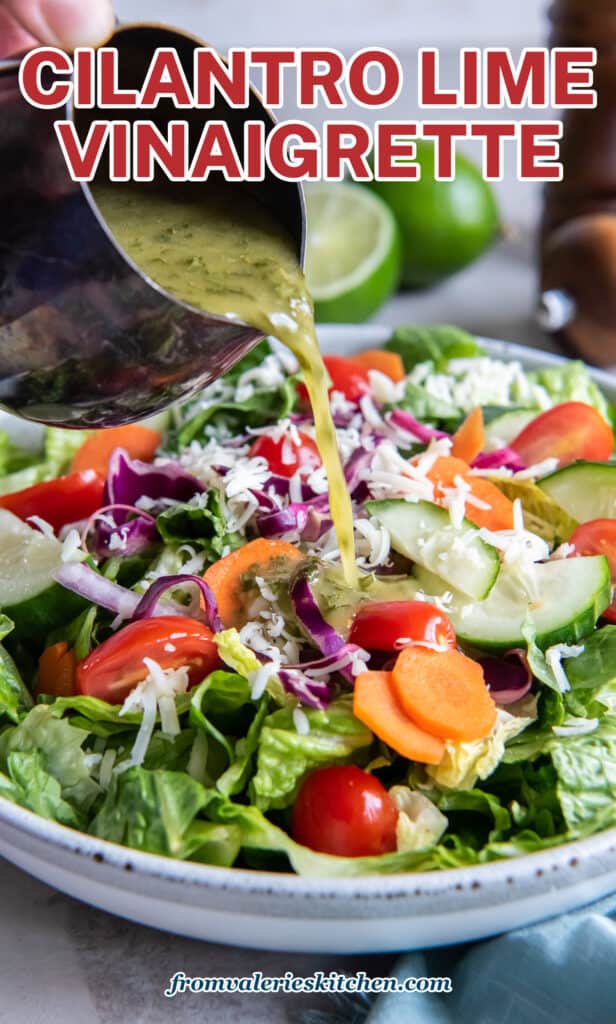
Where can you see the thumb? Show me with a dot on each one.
(65, 23)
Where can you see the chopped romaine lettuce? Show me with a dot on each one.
(284, 755)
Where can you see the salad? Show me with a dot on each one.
(185, 670)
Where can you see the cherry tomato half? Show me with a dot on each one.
(347, 376)
(115, 667)
(346, 812)
(567, 432)
(598, 537)
(386, 625)
(286, 456)
(65, 500)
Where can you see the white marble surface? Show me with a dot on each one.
(61, 961)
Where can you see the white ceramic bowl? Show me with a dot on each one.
(273, 911)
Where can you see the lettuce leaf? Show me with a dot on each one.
(586, 770)
(15, 697)
(571, 382)
(237, 656)
(438, 343)
(231, 416)
(284, 756)
(463, 764)
(62, 757)
(150, 810)
(426, 407)
(200, 523)
(30, 785)
(259, 834)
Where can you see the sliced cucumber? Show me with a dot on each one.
(502, 429)
(424, 533)
(586, 490)
(28, 594)
(569, 596)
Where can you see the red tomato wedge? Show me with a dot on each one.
(114, 668)
(345, 811)
(347, 376)
(567, 432)
(286, 456)
(65, 500)
(389, 625)
(598, 537)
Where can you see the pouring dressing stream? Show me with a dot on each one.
(220, 250)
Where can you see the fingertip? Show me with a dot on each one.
(75, 23)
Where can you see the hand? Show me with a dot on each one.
(64, 23)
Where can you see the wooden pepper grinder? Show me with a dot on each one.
(578, 230)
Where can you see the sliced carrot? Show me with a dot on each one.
(140, 443)
(57, 671)
(225, 576)
(444, 692)
(376, 705)
(499, 513)
(469, 439)
(388, 363)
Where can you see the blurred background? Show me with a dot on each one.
(496, 294)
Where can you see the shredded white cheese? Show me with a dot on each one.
(554, 656)
(156, 692)
(300, 721)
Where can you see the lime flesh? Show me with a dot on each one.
(353, 256)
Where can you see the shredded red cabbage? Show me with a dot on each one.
(129, 479)
(312, 692)
(404, 421)
(502, 458)
(149, 603)
(324, 636)
(509, 677)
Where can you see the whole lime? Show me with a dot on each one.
(444, 225)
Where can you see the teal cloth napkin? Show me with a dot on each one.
(560, 972)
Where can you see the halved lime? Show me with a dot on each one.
(354, 251)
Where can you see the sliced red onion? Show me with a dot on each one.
(404, 421)
(88, 583)
(149, 604)
(502, 458)
(324, 636)
(509, 677)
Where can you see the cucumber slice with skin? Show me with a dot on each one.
(501, 431)
(586, 490)
(569, 596)
(28, 595)
(424, 533)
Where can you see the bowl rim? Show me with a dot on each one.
(367, 888)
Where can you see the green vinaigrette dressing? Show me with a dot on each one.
(224, 253)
